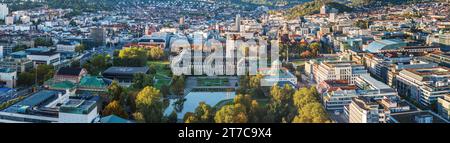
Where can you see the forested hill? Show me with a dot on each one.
(359, 3)
(314, 6)
(269, 2)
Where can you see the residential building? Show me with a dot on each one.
(70, 74)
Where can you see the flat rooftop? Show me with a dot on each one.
(410, 117)
(375, 83)
(40, 98)
(77, 106)
(430, 71)
(126, 70)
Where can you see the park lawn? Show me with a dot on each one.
(163, 74)
(160, 67)
(161, 81)
(212, 82)
(299, 63)
(262, 103)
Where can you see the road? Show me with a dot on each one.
(12, 95)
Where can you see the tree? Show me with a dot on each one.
(115, 91)
(252, 108)
(97, 64)
(46, 42)
(204, 113)
(231, 114)
(363, 24)
(134, 56)
(80, 48)
(309, 108)
(280, 105)
(73, 23)
(155, 53)
(149, 103)
(75, 63)
(189, 117)
(173, 117)
(26, 79)
(42, 73)
(139, 117)
(255, 81)
(115, 109)
(314, 47)
(303, 97)
(178, 85)
(243, 84)
(165, 90)
(20, 47)
(141, 80)
(312, 113)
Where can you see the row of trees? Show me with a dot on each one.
(143, 105)
(286, 105)
(314, 7)
(97, 64)
(303, 50)
(40, 74)
(46, 42)
(136, 56)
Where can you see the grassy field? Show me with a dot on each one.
(299, 63)
(161, 67)
(163, 72)
(212, 82)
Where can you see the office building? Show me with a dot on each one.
(363, 110)
(338, 70)
(424, 85)
(416, 117)
(124, 75)
(444, 106)
(48, 58)
(8, 77)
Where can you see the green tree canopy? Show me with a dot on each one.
(150, 104)
(116, 109)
